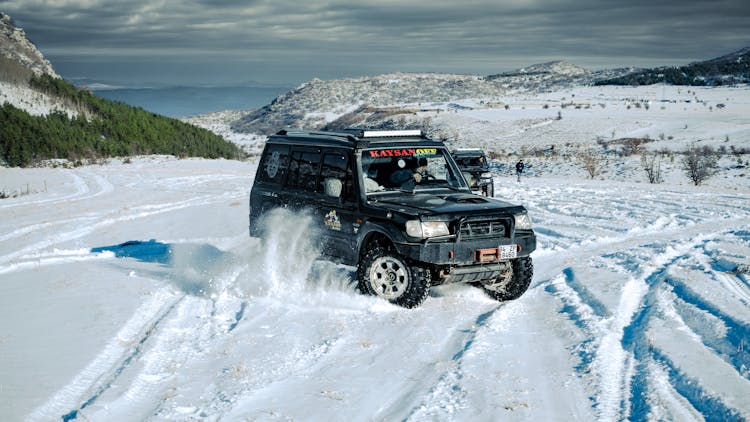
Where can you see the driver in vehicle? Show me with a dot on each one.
(409, 173)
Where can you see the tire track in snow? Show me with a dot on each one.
(734, 283)
(670, 217)
(637, 340)
(647, 354)
(80, 189)
(182, 335)
(583, 314)
(136, 213)
(184, 330)
(117, 355)
(56, 257)
(734, 347)
(239, 383)
(447, 395)
(608, 351)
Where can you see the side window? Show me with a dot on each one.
(303, 171)
(274, 165)
(336, 176)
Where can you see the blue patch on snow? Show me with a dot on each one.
(192, 266)
(151, 251)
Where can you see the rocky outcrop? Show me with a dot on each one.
(15, 48)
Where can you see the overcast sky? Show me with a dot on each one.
(208, 42)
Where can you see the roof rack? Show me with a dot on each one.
(313, 132)
(367, 133)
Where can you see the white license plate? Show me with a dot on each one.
(508, 251)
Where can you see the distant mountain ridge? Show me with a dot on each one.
(730, 69)
(318, 104)
(372, 101)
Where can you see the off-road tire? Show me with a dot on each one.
(523, 271)
(384, 273)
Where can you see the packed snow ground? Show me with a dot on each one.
(133, 292)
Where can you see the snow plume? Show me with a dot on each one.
(203, 270)
(283, 263)
(289, 249)
(276, 265)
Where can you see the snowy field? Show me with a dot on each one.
(132, 292)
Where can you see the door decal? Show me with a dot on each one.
(332, 221)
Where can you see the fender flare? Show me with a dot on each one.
(370, 228)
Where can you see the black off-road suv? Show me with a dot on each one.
(475, 168)
(395, 205)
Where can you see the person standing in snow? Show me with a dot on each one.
(519, 169)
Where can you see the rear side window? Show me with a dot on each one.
(275, 163)
(303, 171)
(336, 166)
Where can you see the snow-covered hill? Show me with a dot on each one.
(318, 102)
(552, 124)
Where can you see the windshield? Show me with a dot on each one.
(410, 168)
(471, 161)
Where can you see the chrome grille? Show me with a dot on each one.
(477, 229)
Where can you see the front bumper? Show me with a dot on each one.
(464, 253)
(480, 183)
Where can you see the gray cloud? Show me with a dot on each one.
(289, 41)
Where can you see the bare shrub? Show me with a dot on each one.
(592, 162)
(633, 146)
(651, 163)
(699, 163)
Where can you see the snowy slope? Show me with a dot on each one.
(639, 308)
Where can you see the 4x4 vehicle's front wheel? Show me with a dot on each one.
(384, 273)
(511, 286)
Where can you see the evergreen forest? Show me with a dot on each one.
(102, 128)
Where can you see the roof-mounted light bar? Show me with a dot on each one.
(390, 133)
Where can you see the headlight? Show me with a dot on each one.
(425, 229)
(486, 175)
(523, 221)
